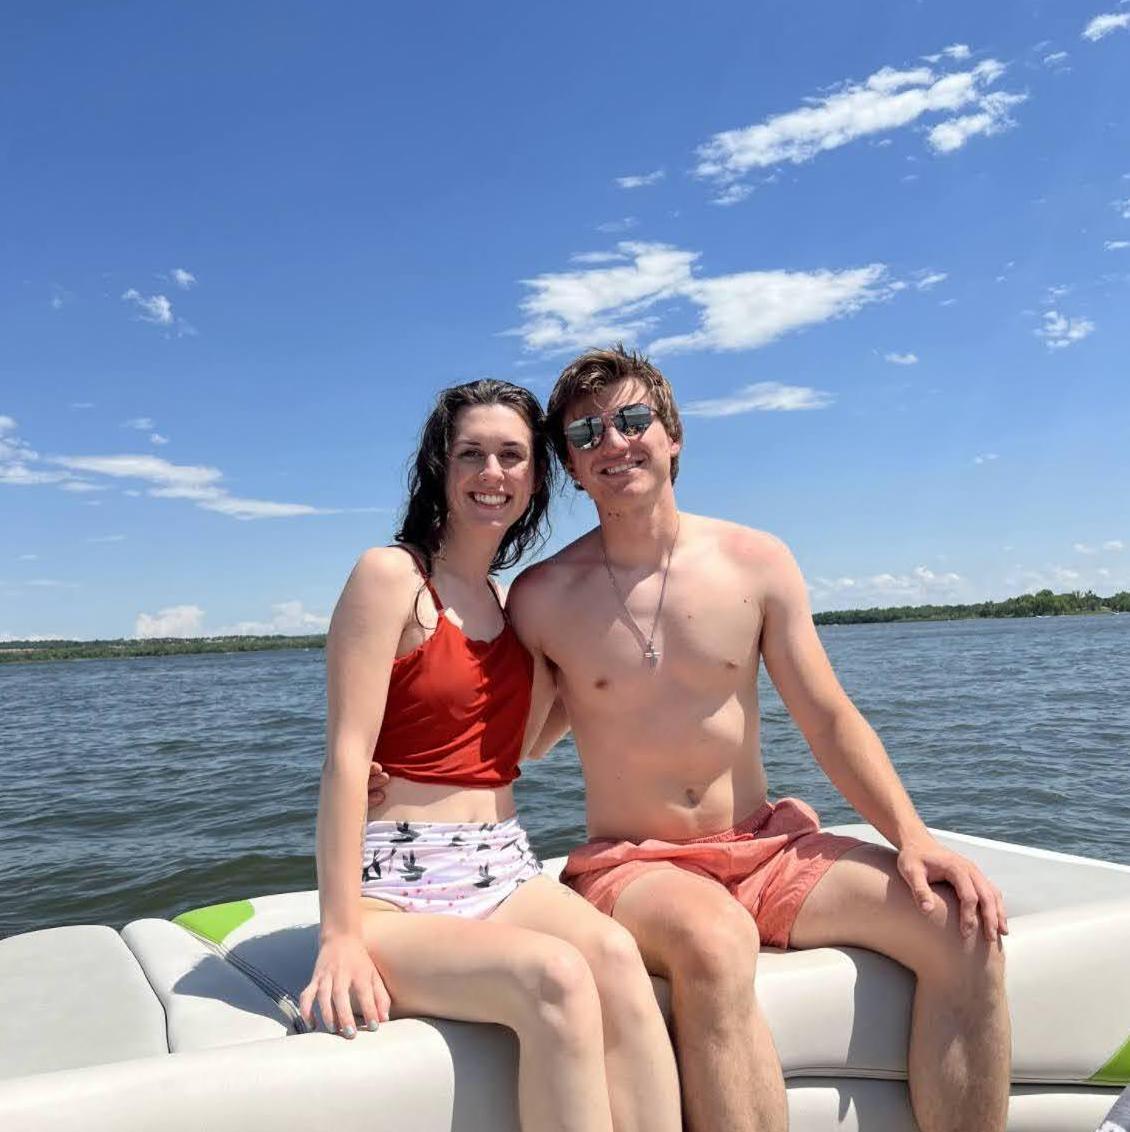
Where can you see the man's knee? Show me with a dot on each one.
(718, 951)
(968, 963)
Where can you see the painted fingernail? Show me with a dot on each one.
(349, 1032)
(374, 1025)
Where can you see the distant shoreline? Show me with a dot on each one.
(1042, 604)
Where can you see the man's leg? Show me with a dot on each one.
(959, 1033)
(694, 933)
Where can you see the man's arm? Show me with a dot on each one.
(849, 751)
(549, 721)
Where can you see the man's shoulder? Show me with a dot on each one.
(738, 544)
(547, 580)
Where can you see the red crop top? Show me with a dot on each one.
(457, 708)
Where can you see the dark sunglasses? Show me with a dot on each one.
(587, 432)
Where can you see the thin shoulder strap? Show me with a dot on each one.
(415, 556)
(497, 596)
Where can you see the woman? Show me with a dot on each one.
(426, 677)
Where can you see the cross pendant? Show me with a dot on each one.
(650, 655)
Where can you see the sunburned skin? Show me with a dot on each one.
(669, 752)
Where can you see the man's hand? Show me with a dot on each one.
(378, 780)
(926, 862)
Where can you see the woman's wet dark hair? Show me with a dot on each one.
(425, 515)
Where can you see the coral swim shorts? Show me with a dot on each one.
(769, 863)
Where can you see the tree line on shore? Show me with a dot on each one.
(1044, 603)
(1041, 604)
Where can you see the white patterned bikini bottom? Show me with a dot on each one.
(450, 868)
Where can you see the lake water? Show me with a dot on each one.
(145, 787)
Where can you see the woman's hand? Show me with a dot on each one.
(378, 781)
(343, 974)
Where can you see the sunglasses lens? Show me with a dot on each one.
(585, 433)
(634, 419)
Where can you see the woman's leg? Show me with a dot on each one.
(643, 1081)
(541, 988)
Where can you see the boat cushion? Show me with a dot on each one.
(74, 996)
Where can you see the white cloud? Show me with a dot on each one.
(157, 438)
(985, 457)
(82, 405)
(956, 51)
(183, 279)
(752, 308)
(289, 618)
(887, 100)
(612, 227)
(1114, 544)
(16, 455)
(151, 468)
(1083, 548)
(142, 423)
(28, 557)
(1059, 331)
(930, 279)
(52, 584)
(1054, 58)
(733, 193)
(764, 396)
(1103, 25)
(641, 180)
(107, 538)
(990, 119)
(80, 486)
(573, 309)
(1116, 245)
(173, 621)
(1122, 207)
(902, 359)
(153, 308)
(921, 586)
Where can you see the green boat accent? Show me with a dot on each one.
(217, 921)
(1117, 1070)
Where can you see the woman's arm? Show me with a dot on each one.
(360, 646)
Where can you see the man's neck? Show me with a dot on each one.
(640, 535)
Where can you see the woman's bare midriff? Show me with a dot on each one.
(434, 801)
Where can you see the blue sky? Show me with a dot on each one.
(881, 251)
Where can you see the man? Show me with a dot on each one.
(654, 624)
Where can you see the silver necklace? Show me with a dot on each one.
(649, 651)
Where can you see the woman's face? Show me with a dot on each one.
(490, 467)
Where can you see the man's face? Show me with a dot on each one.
(620, 467)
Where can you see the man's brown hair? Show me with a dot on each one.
(596, 370)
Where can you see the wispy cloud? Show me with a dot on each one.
(763, 396)
(1059, 331)
(1116, 245)
(157, 438)
(1114, 544)
(956, 51)
(1055, 58)
(151, 308)
(641, 180)
(614, 227)
(902, 359)
(573, 309)
(928, 279)
(143, 424)
(1122, 207)
(1102, 26)
(985, 457)
(183, 279)
(107, 538)
(887, 100)
(921, 586)
(15, 457)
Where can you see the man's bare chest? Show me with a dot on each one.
(705, 640)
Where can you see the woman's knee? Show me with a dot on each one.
(618, 969)
(556, 991)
